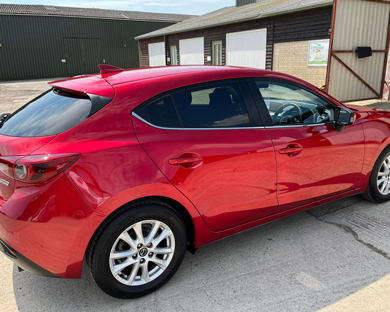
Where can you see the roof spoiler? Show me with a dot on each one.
(109, 69)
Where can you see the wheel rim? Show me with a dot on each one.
(383, 178)
(142, 252)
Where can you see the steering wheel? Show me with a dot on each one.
(286, 119)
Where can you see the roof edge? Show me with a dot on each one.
(92, 17)
(260, 16)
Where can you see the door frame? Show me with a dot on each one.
(83, 56)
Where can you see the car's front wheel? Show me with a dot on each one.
(378, 189)
(138, 251)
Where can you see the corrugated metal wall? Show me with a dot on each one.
(34, 46)
(358, 23)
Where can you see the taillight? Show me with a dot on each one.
(36, 169)
(7, 165)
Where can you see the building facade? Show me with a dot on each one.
(273, 35)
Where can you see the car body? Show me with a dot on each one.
(220, 180)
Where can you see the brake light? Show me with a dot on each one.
(36, 169)
(7, 164)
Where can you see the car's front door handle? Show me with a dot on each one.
(291, 149)
(185, 160)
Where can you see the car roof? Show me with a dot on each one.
(132, 75)
(103, 84)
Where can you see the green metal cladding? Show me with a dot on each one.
(47, 47)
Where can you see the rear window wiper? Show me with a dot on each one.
(4, 118)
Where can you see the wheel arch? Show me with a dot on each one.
(170, 203)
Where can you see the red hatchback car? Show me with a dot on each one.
(130, 169)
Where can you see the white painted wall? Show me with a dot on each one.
(247, 48)
(156, 54)
(191, 51)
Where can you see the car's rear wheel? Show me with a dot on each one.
(378, 189)
(138, 251)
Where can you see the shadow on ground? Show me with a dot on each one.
(300, 263)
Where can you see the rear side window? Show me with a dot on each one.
(160, 113)
(52, 113)
(212, 106)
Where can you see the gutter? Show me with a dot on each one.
(260, 16)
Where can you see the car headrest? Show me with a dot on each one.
(220, 98)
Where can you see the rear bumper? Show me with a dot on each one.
(47, 228)
(22, 262)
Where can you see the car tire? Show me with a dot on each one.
(125, 278)
(373, 192)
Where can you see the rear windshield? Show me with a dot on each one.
(51, 113)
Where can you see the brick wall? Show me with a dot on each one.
(292, 57)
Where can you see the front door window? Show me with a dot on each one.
(292, 105)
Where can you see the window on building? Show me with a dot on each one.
(217, 53)
(173, 55)
(292, 105)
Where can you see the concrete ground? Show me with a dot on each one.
(15, 94)
(335, 257)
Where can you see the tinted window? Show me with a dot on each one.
(51, 113)
(160, 113)
(212, 106)
(289, 104)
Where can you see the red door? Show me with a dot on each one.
(314, 161)
(213, 155)
(325, 163)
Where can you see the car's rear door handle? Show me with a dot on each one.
(291, 149)
(185, 160)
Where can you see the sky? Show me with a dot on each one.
(196, 7)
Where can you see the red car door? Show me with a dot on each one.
(314, 161)
(211, 145)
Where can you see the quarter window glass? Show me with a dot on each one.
(212, 106)
(290, 105)
(160, 113)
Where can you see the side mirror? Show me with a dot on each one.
(343, 117)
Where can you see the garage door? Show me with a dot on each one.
(82, 55)
(247, 48)
(156, 54)
(191, 51)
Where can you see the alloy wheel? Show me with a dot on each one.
(142, 252)
(383, 179)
